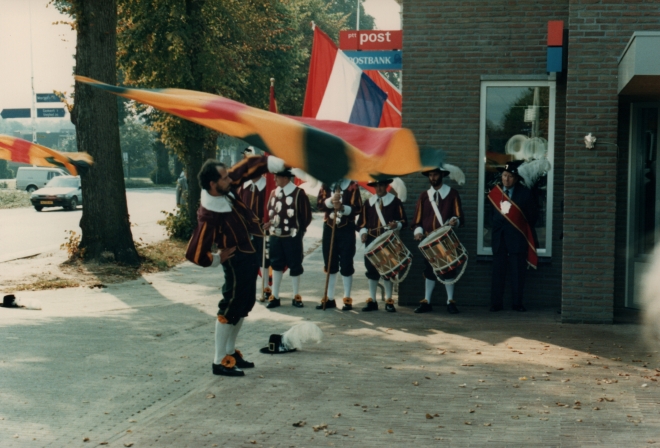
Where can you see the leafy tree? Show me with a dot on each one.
(138, 142)
(104, 223)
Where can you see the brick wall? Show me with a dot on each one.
(448, 47)
(599, 31)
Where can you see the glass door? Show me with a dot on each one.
(643, 196)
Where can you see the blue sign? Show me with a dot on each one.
(50, 113)
(47, 98)
(376, 60)
(15, 113)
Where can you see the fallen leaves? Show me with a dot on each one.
(429, 417)
(300, 424)
(317, 428)
(209, 396)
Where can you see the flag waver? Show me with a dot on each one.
(18, 150)
(327, 150)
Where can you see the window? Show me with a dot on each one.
(517, 123)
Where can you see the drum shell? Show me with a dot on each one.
(444, 251)
(388, 255)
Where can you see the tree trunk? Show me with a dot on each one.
(162, 175)
(193, 160)
(104, 223)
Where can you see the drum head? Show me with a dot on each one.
(378, 241)
(434, 235)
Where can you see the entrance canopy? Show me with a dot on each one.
(639, 65)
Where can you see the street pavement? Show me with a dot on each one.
(130, 365)
(25, 232)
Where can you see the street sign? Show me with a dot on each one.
(47, 98)
(50, 113)
(376, 60)
(371, 40)
(15, 113)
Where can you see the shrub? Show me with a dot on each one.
(161, 176)
(177, 224)
(5, 173)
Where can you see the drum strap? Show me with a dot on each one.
(379, 205)
(436, 211)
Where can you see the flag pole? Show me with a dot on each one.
(332, 244)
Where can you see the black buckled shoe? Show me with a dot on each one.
(372, 305)
(451, 308)
(241, 363)
(273, 302)
(424, 307)
(219, 369)
(389, 306)
(297, 301)
(348, 304)
(329, 304)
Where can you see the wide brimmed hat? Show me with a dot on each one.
(454, 172)
(511, 167)
(9, 301)
(285, 173)
(249, 150)
(380, 182)
(276, 346)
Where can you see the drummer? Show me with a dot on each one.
(381, 213)
(428, 218)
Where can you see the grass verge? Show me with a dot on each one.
(156, 257)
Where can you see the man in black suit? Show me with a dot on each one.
(514, 239)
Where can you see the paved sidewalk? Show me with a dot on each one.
(131, 364)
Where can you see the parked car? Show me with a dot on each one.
(61, 191)
(31, 178)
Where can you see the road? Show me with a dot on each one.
(25, 232)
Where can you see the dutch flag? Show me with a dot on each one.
(337, 89)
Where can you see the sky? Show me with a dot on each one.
(53, 48)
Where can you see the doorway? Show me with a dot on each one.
(643, 231)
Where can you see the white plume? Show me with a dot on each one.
(651, 300)
(28, 304)
(302, 333)
(400, 187)
(532, 171)
(300, 174)
(455, 173)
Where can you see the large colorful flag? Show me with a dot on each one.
(17, 150)
(337, 89)
(327, 150)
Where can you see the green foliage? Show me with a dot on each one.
(5, 173)
(161, 176)
(137, 140)
(177, 223)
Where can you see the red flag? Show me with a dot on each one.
(392, 108)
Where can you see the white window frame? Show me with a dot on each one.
(541, 252)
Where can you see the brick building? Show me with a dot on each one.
(476, 85)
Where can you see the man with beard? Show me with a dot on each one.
(224, 220)
(436, 207)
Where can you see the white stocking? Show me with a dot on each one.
(388, 288)
(428, 286)
(331, 286)
(348, 282)
(222, 332)
(373, 286)
(277, 281)
(231, 342)
(450, 292)
(295, 281)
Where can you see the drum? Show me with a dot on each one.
(389, 256)
(443, 250)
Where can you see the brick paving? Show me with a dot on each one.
(131, 364)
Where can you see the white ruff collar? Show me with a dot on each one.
(218, 204)
(444, 191)
(387, 199)
(288, 189)
(260, 184)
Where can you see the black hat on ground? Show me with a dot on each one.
(9, 301)
(380, 182)
(511, 167)
(286, 172)
(276, 346)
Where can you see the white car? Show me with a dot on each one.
(61, 191)
(31, 178)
